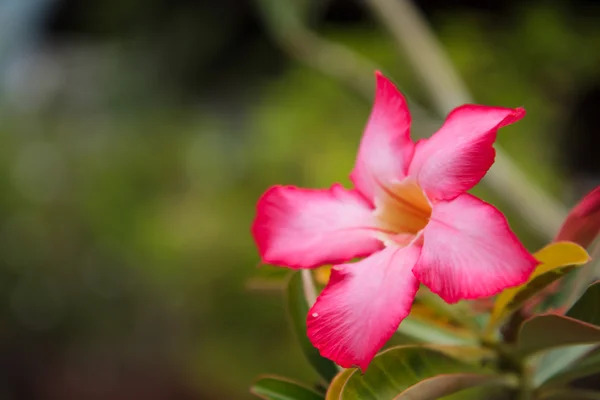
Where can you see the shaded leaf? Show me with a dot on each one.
(554, 361)
(275, 388)
(297, 308)
(547, 331)
(334, 392)
(556, 260)
(566, 364)
(587, 308)
(397, 369)
(586, 366)
(444, 385)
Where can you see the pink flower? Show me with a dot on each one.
(583, 222)
(409, 215)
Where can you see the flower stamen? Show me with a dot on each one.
(402, 208)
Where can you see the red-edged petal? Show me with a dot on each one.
(306, 228)
(583, 222)
(386, 148)
(469, 251)
(455, 158)
(362, 306)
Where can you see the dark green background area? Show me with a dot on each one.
(128, 184)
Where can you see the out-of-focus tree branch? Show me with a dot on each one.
(447, 90)
(284, 19)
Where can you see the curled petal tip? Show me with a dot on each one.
(517, 114)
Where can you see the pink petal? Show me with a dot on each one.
(455, 158)
(362, 306)
(583, 222)
(469, 251)
(386, 148)
(304, 228)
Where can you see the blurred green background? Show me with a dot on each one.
(136, 137)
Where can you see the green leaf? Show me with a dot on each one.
(415, 371)
(569, 363)
(334, 392)
(587, 308)
(297, 308)
(444, 385)
(554, 361)
(544, 332)
(556, 260)
(275, 388)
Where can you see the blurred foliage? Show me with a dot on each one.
(501, 361)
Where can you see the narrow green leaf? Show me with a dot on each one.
(334, 392)
(297, 308)
(397, 370)
(275, 388)
(547, 331)
(587, 308)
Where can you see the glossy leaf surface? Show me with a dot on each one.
(274, 388)
(417, 371)
(334, 392)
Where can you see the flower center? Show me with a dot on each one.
(402, 210)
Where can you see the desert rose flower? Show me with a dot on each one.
(408, 215)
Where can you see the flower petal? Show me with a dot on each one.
(304, 228)
(583, 222)
(362, 306)
(386, 148)
(469, 251)
(455, 158)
